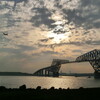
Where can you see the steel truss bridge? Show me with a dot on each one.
(93, 57)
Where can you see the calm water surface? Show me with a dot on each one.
(47, 82)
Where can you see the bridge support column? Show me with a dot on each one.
(96, 74)
(41, 73)
(55, 74)
(48, 73)
(37, 73)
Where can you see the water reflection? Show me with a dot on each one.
(48, 82)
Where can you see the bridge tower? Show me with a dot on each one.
(94, 58)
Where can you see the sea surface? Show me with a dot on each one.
(47, 82)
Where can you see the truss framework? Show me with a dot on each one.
(93, 57)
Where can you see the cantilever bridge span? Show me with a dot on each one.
(93, 57)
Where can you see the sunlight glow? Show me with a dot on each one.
(60, 32)
(57, 38)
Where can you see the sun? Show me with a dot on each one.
(60, 32)
(57, 38)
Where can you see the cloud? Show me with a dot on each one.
(46, 40)
(18, 52)
(85, 15)
(26, 47)
(15, 2)
(50, 52)
(93, 42)
(76, 51)
(42, 17)
(29, 26)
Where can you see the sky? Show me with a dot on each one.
(42, 30)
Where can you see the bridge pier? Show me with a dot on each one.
(55, 74)
(46, 73)
(96, 74)
(41, 73)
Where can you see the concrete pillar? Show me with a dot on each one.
(39, 73)
(96, 74)
(48, 73)
(42, 72)
(45, 72)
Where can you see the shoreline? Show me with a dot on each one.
(47, 94)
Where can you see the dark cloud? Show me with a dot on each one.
(86, 15)
(93, 42)
(10, 20)
(10, 50)
(59, 4)
(26, 48)
(88, 42)
(59, 31)
(89, 3)
(42, 17)
(46, 40)
(49, 52)
(19, 52)
(16, 1)
(77, 51)
(71, 43)
(60, 44)
(45, 52)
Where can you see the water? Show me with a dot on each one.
(47, 82)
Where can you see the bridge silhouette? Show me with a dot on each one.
(93, 57)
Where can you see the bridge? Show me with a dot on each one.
(93, 57)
